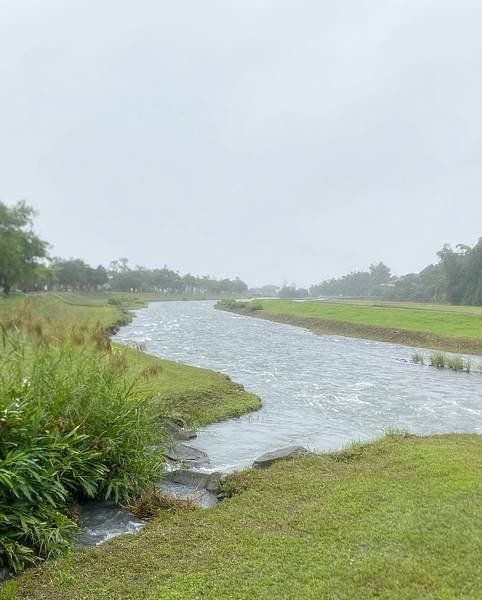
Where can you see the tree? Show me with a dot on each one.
(20, 247)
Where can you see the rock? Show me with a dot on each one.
(185, 434)
(188, 454)
(194, 479)
(204, 499)
(177, 422)
(4, 574)
(265, 460)
(178, 428)
(214, 481)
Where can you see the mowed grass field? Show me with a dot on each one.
(452, 328)
(400, 518)
(199, 395)
(458, 321)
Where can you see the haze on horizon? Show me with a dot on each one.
(269, 139)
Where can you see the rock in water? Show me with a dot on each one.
(265, 460)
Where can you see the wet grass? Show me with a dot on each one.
(447, 321)
(451, 328)
(399, 518)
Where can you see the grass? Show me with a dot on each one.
(198, 395)
(82, 419)
(452, 328)
(399, 518)
(418, 358)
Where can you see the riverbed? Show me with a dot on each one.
(321, 392)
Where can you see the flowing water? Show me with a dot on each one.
(317, 391)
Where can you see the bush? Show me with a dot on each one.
(71, 426)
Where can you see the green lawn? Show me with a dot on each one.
(199, 395)
(452, 328)
(441, 320)
(398, 519)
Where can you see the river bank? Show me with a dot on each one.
(448, 328)
(399, 518)
(84, 419)
(396, 518)
(198, 395)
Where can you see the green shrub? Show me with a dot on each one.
(71, 426)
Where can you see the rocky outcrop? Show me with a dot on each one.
(265, 460)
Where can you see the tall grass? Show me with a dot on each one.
(72, 426)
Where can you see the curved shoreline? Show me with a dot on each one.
(403, 337)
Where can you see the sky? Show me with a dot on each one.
(268, 139)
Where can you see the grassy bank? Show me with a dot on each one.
(82, 419)
(199, 395)
(399, 518)
(451, 328)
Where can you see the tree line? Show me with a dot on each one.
(456, 279)
(25, 264)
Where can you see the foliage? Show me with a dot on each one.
(463, 273)
(358, 283)
(70, 426)
(250, 305)
(123, 279)
(20, 247)
(456, 279)
(76, 274)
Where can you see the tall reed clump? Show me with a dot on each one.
(72, 426)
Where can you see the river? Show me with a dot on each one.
(321, 392)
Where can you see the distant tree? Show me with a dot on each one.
(20, 247)
(379, 273)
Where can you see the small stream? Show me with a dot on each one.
(320, 392)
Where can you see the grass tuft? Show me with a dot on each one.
(152, 502)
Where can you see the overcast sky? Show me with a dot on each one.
(270, 139)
